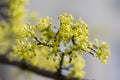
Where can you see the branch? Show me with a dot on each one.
(5, 16)
(56, 36)
(41, 43)
(25, 66)
(5, 4)
(60, 64)
(93, 50)
(92, 53)
(73, 41)
(3, 7)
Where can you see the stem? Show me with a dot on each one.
(41, 43)
(60, 67)
(73, 41)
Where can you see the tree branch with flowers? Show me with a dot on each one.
(38, 48)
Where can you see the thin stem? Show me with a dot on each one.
(61, 64)
(92, 53)
(41, 43)
(73, 41)
(56, 36)
(93, 50)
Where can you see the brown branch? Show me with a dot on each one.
(25, 66)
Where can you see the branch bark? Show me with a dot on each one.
(25, 66)
(4, 59)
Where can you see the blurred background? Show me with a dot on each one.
(103, 19)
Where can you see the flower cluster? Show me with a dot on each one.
(40, 45)
(102, 51)
(65, 32)
(77, 65)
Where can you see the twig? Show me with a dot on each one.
(56, 36)
(73, 41)
(93, 50)
(60, 65)
(41, 43)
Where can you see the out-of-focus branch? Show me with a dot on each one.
(26, 66)
(4, 4)
(3, 10)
